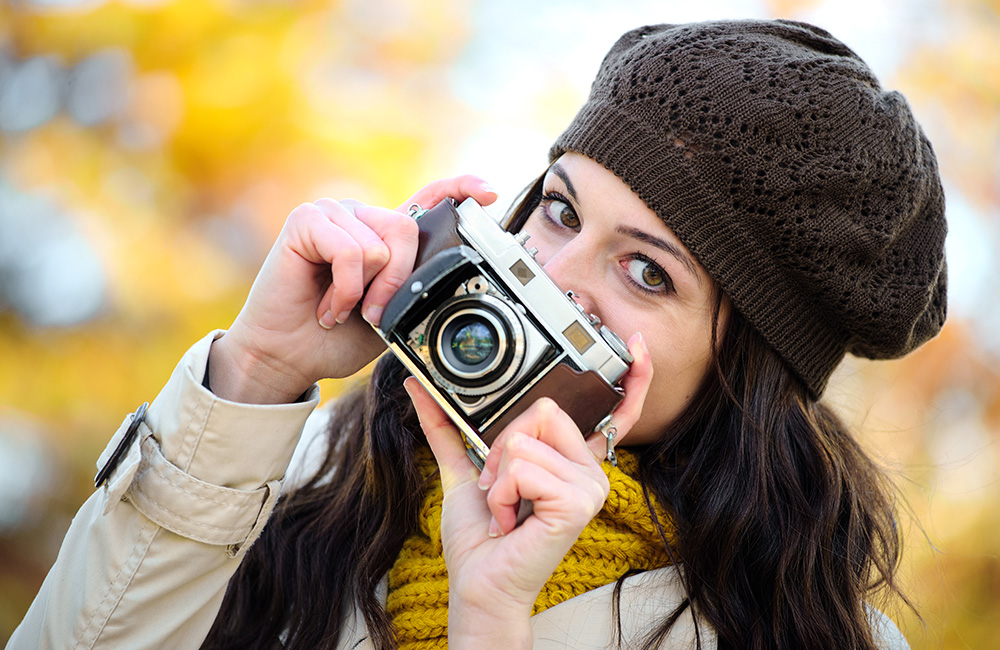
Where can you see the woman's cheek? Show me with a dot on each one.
(546, 245)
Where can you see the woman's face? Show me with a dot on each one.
(595, 236)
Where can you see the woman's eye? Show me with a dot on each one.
(648, 275)
(561, 212)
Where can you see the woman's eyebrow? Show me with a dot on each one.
(663, 245)
(561, 173)
(635, 233)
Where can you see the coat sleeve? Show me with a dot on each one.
(147, 558)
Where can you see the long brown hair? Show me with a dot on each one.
(783, 524)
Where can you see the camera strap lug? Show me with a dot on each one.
(415, 211)
(609, 431)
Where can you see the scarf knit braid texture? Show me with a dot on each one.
(621, 538)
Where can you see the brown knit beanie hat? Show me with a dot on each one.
(808, 193)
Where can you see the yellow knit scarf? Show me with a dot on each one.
(619, 539)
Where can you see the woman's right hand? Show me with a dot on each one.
(301, 321)
(496, 568)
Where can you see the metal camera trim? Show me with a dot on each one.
(437, 328)
(562, 344)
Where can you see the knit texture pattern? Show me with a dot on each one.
(621, 538)
(809, 193)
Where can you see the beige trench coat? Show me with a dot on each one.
(147, 558)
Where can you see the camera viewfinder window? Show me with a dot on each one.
(578, 337)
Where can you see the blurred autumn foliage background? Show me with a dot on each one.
(150, 150)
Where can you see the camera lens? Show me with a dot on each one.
(473, 342)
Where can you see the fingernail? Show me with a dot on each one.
(374, 314)
(343, 315)
(485, 479)
(486, 187)
(409, 385)
(327, 320)
(494, 528)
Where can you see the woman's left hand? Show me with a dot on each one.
(495, 568)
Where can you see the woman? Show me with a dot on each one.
(741, 201)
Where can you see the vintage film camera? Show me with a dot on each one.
(487, 332)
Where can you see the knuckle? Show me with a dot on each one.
(546, 409)
(407, 227)
(351, 205)
(493, 498)
(304, 211)
(497, 446)
(393, 280)
(516, 465)
(595, 507)
(603, 486)
(350, 251)
(514, 441)
(378, 253)
(547, 404)
(598, 494)
(520, 444)
(352, 294)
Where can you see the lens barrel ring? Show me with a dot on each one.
(501, 367)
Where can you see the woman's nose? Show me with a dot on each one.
(570, 269)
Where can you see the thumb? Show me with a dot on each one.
(443, 437)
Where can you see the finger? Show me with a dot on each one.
(347, 278)
(352, 205)
(521, 447)
(458, 188)
(565, 504)
(543, 421)
(521, 479)
(311, 235)
(442, 436)
(401, 235)
(376, 252)
(636, 385)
